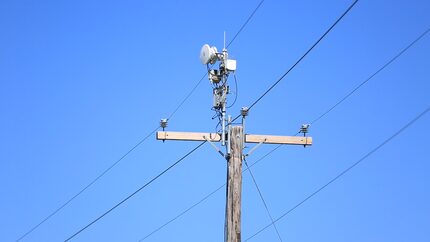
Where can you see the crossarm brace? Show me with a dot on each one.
(213, 145)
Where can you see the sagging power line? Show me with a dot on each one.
(135, 192)
(104, 172)
(386, 141)
(317, 119)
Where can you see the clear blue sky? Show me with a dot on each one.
(83, 81)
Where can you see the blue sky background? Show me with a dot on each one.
(83, 81)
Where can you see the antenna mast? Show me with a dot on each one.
(233, 137)
(219, 80)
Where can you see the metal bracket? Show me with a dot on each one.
(213, 145)
(255, 147)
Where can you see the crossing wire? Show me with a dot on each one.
(313, 122)
(201, 200)
(138, 143)
(246, 23)
(373, 75)
(406, 126)
(228, 45)
(135, 192)
(263, 200)
(87, 186)
(301, 58)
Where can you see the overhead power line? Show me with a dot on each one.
(203, 199)
(406, 126)
(231, 42)
(87, 186)
(263, 200)
(135, 192)
(182, 213)
(246, 23)
(187, 96)
(138, 144)
(301, 58)
(373, 75)
(313, 122)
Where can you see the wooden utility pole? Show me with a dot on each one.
(233, 137)
(235, 156)
(234, 186)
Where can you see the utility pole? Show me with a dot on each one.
(234, 186)
(233, 137)
(234, 166)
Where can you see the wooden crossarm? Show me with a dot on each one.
(273, 139)
(249, 138)
(188, 136)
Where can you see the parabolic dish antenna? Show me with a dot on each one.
(208, 54)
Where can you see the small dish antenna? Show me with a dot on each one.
(208, 54)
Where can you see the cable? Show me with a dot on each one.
(246, 23)
(204, 198)
(86, 187)
(262, 199)
(139, 143)
(347, 169)
(134, 147)
(135, 192)
(182, 213)
(180, 104)
(231, 41)
(313, 122)
(373, 75)
(347, 96)
(355, 89)
(236, 92)
(187, 96)
(301, 58)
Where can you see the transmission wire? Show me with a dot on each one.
(135, 192)
(246, 23)
(86, 187)
(373, 75)
(263, 200)
(347, 169)
(313, 122)
(140, 142)
(301, 58)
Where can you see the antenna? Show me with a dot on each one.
(224, 40)
(219, 80)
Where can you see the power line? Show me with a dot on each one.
(371, 76)
(87, 186)
(246, 23)
(262, 199)
(187, 96)
(182, 213)
(204, 198)
(236, 92)
(347, 169)
(301, 58)
(139, 143)
(253, 104)
(313, 122)
(135, 192)
(203, 77)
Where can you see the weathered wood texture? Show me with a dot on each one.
(234, 186)
(249, 138)
(188, 136)
(273, 139)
